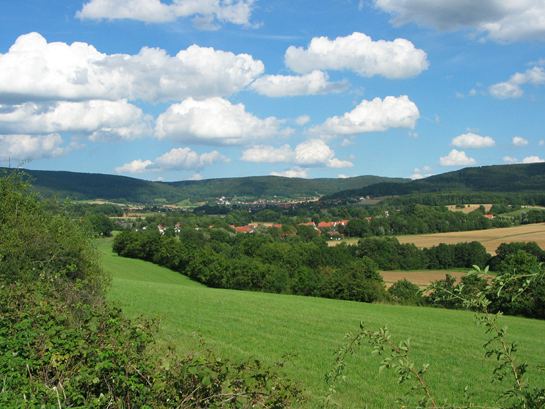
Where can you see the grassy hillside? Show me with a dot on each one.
(86, 186)
(266, 326)
(500, 178)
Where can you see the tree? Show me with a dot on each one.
(101, 224)
(406, 293)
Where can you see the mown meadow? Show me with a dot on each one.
(267, 326)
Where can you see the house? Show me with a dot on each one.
(489, 216)
(308, 224)
(244, 229)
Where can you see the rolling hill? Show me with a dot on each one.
(520, 178)
(87, 186)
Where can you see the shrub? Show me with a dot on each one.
(406, 293)
(35, 243)
(55, 354)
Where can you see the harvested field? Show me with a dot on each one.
(420, 278)
(469, 208)
(490, 239)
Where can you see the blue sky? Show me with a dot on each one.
(200, 89)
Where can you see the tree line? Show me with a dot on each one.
(290, 265)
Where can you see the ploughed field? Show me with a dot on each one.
(266, 326)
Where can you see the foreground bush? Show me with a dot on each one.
(62, 345)
(35, 243)
(53, 354)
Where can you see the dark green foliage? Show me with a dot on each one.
(406, 293)
(258, 263)
(503, 294)
(62, 345)
(84, 209)
(514, 269)
(469, 287)
(389, 254)
(101, 224)
(34, 243)
(505, 249)
(499, 178)
(83, 186)
(54, 354)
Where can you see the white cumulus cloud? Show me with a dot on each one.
(509, 159)
(372, 116)
(302, 120)
(215, 121)
(134, 167)
(473, 141)
(360, 54)
(533, 159)
(499, 20)
(176, 159)
(512, 89)
(520, 141)
(311, 153)
(292, 173)
(206, 12)
(96, 119)
(313, 83)
(268, 154)
(456, 158)
(420, 173)
(34, 70)
(22, 147)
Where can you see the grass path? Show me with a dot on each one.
(266, 326)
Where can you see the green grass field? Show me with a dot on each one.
(266, 326)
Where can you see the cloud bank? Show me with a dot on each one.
(512, 87)
(175, 160)
(499, 20)
(34, 70)
(207, 13)
(313, 83)
(311, 153)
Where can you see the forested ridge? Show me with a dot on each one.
(86, 186)
(519, 178)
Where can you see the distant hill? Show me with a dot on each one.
(271, 186)
(87, 186)
(520, 178)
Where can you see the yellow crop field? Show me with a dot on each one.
(490, 239)
(470, 208)
(420, 278)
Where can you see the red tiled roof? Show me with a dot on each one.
(244, 229)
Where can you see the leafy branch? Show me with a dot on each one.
(518, 396)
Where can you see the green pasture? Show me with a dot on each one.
(267, 326)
